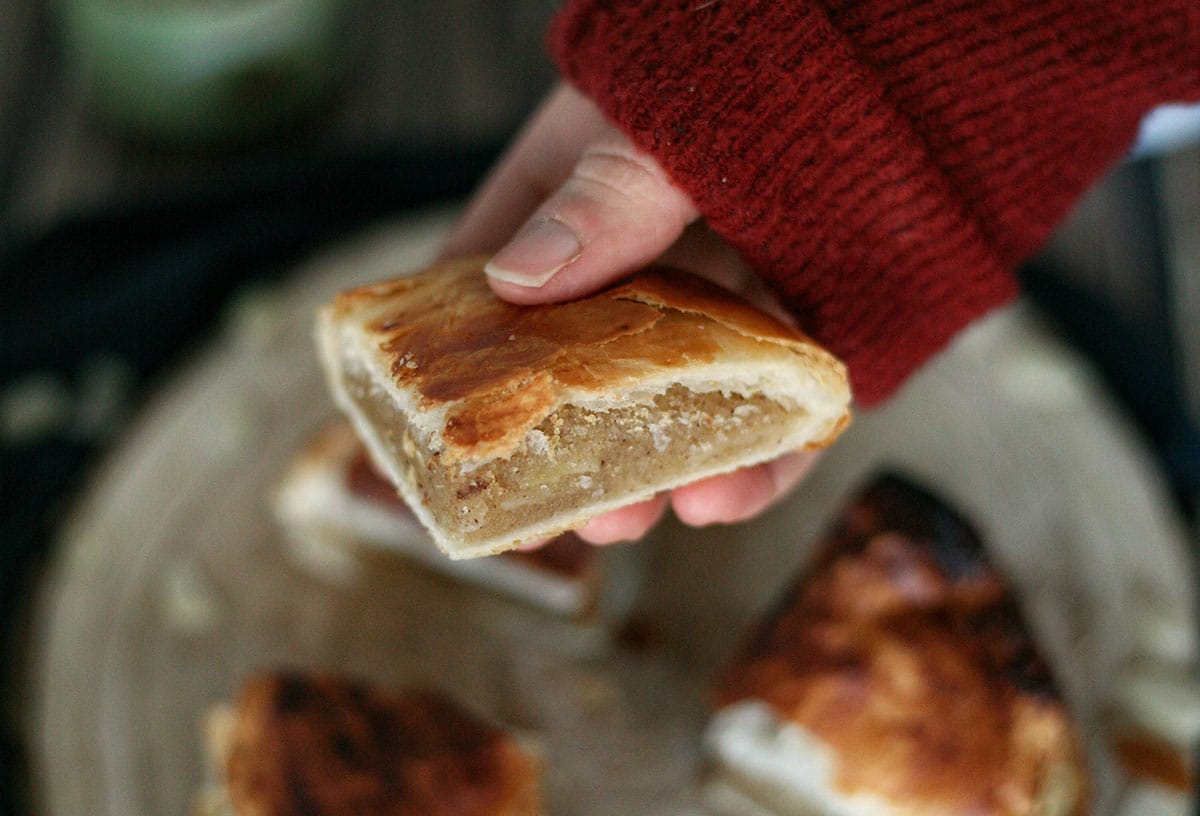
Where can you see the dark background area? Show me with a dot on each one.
(118, 250)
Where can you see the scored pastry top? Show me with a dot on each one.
(481, 373)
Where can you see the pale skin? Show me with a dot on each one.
(572, 206)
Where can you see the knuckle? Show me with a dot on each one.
(616, 193)
(620, 172)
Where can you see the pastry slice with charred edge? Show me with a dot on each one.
(332, 495)
(323, 745)
(502, 424)
(895, 677)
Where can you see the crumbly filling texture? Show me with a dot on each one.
(578, 456)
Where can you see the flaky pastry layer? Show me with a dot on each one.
(501, 424)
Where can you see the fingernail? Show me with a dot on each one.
(535, 254)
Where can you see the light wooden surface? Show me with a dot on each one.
(172, 582)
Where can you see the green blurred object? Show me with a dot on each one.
(203, 72)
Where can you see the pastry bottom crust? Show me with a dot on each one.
(579, 458)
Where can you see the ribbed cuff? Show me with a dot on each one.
(883, 164)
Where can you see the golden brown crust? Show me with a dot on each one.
(320, 746)
(668, 289)
(500, 369)
(903, 650)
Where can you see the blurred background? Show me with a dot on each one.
(157, 158)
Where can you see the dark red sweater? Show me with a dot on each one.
(885, 164)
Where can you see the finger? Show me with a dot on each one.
(536, 544)
(626, 524)
(538, 161)
(617, 211)
(743, 494)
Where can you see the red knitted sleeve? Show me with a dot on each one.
(885, 164)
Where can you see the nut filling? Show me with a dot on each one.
(577, 455)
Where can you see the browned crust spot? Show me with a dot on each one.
(320, 745)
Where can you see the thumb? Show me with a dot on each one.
(616, 212)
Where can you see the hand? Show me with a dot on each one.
(573, 206)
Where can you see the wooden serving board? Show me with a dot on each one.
(173, 581)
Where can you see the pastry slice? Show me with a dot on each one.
(333, 496)
(322, 745)
(503, 424)
(896, 677)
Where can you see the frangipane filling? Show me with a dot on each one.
(578, 456)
